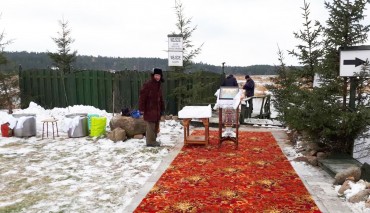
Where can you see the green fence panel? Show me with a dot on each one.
(71, 89)
(112, 91)
(94, 89)
(55, 88)
(80, 97)
(100, 89)
(87, 87)
(48, 90)
(109, 92)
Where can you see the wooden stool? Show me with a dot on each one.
(47, 121)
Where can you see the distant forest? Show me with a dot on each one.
(33, 60)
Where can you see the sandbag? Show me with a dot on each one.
(89, 116)
(98, 125)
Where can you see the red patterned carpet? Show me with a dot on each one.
(256, 177)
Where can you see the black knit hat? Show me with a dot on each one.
(247, 76)
(157, 71)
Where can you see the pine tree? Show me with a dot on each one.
(64, 57)
(187, 92)
(9, 92)
(184, 28)
(317, 111)
(294, 85)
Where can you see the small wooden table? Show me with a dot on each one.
(196, 139)
(202, 113)
(47, 121)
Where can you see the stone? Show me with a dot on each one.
(360, 196)
(118, 134)
(321, 155)
(140, 136)
(312, 160)
(352, 171)
(132, 126)
(367, 204)
(313, 152)
(345, 186)
(301, 159)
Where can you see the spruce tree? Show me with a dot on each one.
(9, 92)
(318, 111)
(64, 57)
(186, 91)
(184, 28)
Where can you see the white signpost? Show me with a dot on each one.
(174, 59)
(175, 50)
(352, 59)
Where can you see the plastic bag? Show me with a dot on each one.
(135, 114)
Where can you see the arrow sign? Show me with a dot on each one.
(356, 62)
(351, 59)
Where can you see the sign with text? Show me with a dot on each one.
(352, 60)
(175, 59)
(175, 50)
(175, 44)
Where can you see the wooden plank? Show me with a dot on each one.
(55, 88)
(101, 89)
(94, 89)
(109, 91)
(80, 97)
(87, 87)
(71, 88)
(48, 90)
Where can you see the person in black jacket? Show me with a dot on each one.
(249, 90)
(151, 105)
(230, 80)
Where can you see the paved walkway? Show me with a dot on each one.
(317, 181)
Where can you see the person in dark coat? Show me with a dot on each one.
(151, 105)
(230, 80)
(249, 90)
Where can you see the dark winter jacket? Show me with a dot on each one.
(151, 100)
(230, 81)
(249, 88)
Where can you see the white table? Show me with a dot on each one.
(202, 113)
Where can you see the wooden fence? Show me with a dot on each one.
(111, 91)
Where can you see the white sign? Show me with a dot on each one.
(175, 59)
(175, 44)
(351, 61)
(317, 80)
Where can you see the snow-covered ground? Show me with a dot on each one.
(86, 174)
(89, 174)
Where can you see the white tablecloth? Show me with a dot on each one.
(196, 112)
(222, 103)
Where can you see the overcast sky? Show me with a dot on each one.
(238, 32)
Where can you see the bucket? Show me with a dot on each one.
(5, 130)
(27, 128)
(81, 130)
